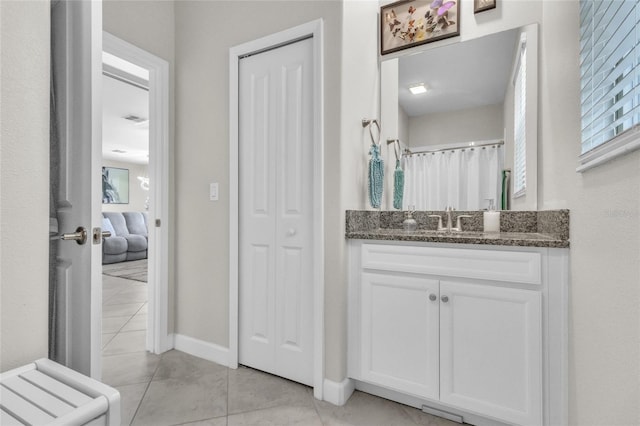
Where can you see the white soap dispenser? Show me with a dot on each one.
(491, 218)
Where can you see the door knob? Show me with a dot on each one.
(291, 232)
(99, 234)
(444, 299)
(80, 236)
(432, 297)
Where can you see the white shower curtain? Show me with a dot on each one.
(461, 178)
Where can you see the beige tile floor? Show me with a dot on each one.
(178, 389)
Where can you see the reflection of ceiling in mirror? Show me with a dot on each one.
(458, 76)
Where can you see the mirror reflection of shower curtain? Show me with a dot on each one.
(461, 178)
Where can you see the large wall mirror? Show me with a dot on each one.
(480, 103)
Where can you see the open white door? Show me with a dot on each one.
(76, 31)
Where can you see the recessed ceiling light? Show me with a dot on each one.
(417, 89)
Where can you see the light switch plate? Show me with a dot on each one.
(213, 191)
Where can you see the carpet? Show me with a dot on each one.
(134, 270)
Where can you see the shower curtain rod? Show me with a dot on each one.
(407, 151)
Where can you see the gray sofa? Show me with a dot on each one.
(129, 236)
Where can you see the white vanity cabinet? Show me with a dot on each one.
(462, 329)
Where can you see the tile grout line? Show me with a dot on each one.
(146, 390)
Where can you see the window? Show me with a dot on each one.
(609, 79)
(519, 120)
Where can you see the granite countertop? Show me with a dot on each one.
(525, 229)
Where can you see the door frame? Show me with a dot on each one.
(158, 267)
(314, 30)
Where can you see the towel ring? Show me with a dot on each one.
(397, 149)
(366, 122)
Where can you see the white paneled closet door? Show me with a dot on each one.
(275, 212)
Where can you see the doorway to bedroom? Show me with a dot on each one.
(134, 211)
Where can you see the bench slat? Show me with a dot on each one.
(62, 391)
(21, 409)
(7, 419)
(38, 397)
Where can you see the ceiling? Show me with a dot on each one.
(119, 100)
(458, 76)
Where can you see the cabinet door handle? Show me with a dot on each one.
(444, 299)
(433, 297)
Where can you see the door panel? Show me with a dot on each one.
(77, 73)
(399, 332)
(491, 348)
(276, 140)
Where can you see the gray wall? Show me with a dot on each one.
(204, 33)
(24, 181)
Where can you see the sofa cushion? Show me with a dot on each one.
(136, 255)
(118, 222)
(135, 223)
(113, 258)
(107, 226)
(114, 245)
(136, 243)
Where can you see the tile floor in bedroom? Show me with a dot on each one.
(175, 388)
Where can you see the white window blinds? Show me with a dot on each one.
(609, 69)
(519, 120)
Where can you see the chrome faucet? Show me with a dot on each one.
(448, 211)
(449, 227)
(440, 227)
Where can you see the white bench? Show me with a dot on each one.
(47, 393)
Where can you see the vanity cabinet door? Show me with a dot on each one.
(491, 351)
(399, 333)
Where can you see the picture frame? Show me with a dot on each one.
(483, 5)
(409, 23)
(115, 185)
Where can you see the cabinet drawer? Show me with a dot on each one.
(496, 265)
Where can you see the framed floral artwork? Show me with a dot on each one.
(410, 23)
(482, 5)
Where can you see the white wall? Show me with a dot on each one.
(605, 238)
(360, 88)
(473, 124)
(24, 181)
(137, 195)
(150, 25)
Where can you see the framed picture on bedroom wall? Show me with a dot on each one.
(115, 185)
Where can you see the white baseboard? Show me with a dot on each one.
(338, 393)
(201, 349)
